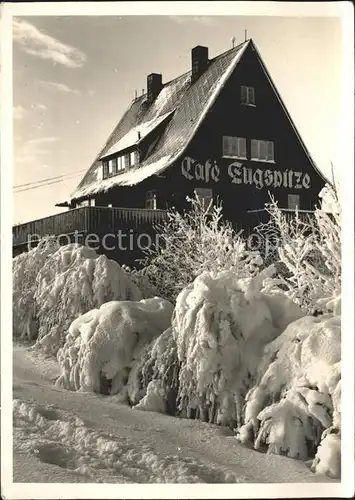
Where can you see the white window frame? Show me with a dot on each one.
(247, 95)
(261, 150)
(151, 199)
(293, 201)
(234, 147)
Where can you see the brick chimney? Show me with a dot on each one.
(154, 86)
(199, 61)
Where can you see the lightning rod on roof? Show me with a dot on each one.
(245, 35)
(233, 42)
(135, 94)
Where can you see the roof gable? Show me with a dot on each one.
(190, 103)
(187, 104)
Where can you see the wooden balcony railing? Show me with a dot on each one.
(86, 220)
(262, 215)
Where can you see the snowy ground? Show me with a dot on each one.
(63, 436)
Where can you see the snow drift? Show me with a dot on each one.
(101, 345)
(63, 283)
(295, 403)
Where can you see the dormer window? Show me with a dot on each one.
(247, 95)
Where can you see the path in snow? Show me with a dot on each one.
(63, 436)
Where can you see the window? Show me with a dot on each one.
(247, 95)
(234, 147)
(151, 200)
(110, 167)
(293, 201)
(127, 160)
(262, 150)
(114, 166)
(120, 164)
(105, 169)
(205, 197)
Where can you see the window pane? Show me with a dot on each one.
(225, 146)
(243, 95)
(105, 170)
(270, 151)
(242, 147)
(254, 149)
(251, 95)
(293, 201)
(133, 158)
(151, 200)
(262, 150)
(205, 197)
(127, 160)
(114, 167)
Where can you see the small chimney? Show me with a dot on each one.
(154, 86)
(199, 61)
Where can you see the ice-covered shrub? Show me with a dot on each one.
(297, 393)
(25, 268)
(309, 251)
(103, 344)
(155, 376)
(221, 325)
(142, 281)
(193, 242)
(62, 283)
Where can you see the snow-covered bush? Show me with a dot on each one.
(142, 281)
(221, 325)
(63, 283)
(154, 379)
(103, 344)
(193, 242)
(297, 394)
(309, 251)
(25, 268)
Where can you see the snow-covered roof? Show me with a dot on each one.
(187, 102)
(136, 134)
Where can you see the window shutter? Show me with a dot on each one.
(243, 95)
(270, 151)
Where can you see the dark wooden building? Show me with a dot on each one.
(220, 130)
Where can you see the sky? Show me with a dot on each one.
(74, 77)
